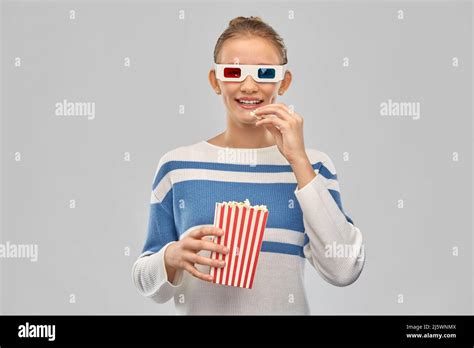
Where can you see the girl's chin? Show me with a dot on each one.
(245, 117)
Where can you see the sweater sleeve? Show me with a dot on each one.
(333, 245)
(149, 271)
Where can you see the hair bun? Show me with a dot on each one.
(252, 26)
(241, 19)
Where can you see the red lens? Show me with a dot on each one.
(232, 72)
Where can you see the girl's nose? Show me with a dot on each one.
(249, 85)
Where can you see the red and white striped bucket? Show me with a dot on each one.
(243, 228)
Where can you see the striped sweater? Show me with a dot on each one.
(303, 225)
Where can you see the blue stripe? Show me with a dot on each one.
(161, 229)
(193, 202)
(262, 168)
(282, 248)
(337, 198)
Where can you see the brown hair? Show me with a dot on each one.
(251, 26)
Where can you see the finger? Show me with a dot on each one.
(206, 231)
(287, 108)
(201, 260)
(198, 245)
(194, 272)
(287, 114)
(275, 122)
(279, 105)
(273, 112)
(274, 131)
(252, 113)
(291, 110)
(280, 111)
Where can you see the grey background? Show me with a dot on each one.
(81, 250)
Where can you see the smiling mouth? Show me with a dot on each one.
(249, 101)
(249, 104)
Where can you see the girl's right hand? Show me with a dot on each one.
(183, 254)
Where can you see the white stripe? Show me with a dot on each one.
(229, 239)
(280, 235)
(243, 280)
(224, 227)
(241, 251)
(153, 198)
(216, 223)
(181, 175)
(255, 249)
(236, 240)
(205, 152)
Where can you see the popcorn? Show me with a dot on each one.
(243, 226)
(246, 204)
(252, 113)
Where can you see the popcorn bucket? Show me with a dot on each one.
(243, 227)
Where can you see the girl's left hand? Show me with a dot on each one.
(286, 126)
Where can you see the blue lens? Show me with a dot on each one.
(266, 73)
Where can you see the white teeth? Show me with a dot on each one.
(249, 101)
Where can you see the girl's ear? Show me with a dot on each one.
(286, 82)
(213, 81)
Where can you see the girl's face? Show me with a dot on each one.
(248, 50)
